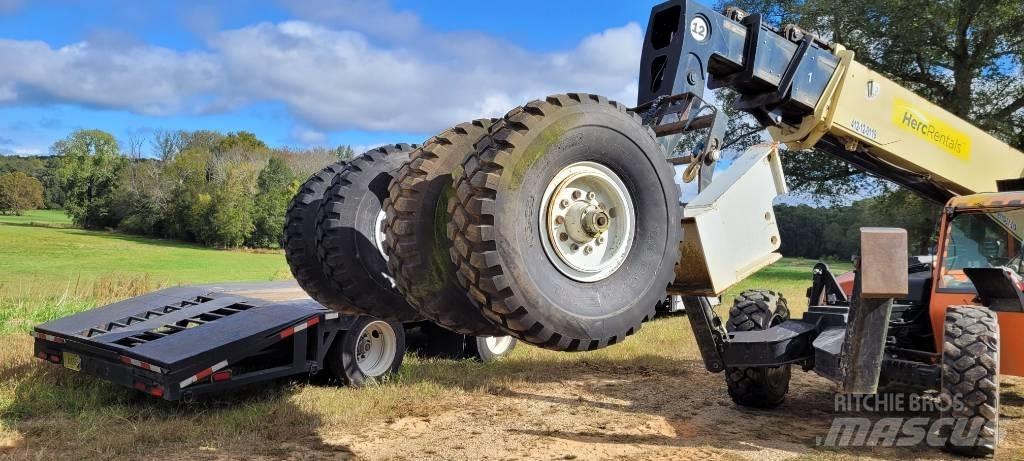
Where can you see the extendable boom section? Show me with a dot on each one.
(809, 93)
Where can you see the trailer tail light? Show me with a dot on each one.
(41, 355)
(140, 386)
(157, 392)
(46, 337)
(222, 376)
(54, 358)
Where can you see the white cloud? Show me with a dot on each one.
(329, 77)
(308, 136)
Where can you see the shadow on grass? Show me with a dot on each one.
(60, 413)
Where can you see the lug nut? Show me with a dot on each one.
(563, 236)
(559, 220)
(591, 196)
(564, 203)
(576, 195)
(600, 240)
(588, 249)
(574, 247)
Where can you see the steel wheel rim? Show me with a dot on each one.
(498, 345)
(376, 347)
(587, 221)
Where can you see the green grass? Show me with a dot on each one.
(48, 269)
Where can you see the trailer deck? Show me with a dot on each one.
(182, 342)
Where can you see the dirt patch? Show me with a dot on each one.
(604, 415)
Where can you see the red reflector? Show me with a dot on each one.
(221, 376)
(157, 392)
(55, 358)
(140, 385)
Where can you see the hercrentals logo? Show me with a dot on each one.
(931, 129)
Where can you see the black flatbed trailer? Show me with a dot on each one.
(180, 343)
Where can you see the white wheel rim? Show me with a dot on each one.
(378, 234)
(378, 241)
(498, 345)
(587, 221)
(376, 347)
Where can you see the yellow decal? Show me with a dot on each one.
(931, 129)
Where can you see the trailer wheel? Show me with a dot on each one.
(757, 387)
(350, 236)
(299, 241)
(417, 245)
(970, 379)
(370, 351)
(565, 223)
(489, 348)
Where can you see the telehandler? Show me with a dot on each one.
(560, 223)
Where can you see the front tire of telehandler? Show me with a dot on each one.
(757, 387)
(970, 379)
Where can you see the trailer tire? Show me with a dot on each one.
(496, 223)
(417, 244)
(349, 237)
(757, 387)
(970, 370)
(489, 348)
(370, 351)
(299, 239)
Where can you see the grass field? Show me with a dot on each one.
(49, 269)
(50, 413)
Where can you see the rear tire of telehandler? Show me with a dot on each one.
(570, 164)
(970, 379)
(757, 387)
(350, 236)
(299, 241)
(417, 244)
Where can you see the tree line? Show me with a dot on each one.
(220, 190)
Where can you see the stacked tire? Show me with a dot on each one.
(529, 226)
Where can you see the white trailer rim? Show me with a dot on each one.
(376, 347)
(587, 221)
(498, 345)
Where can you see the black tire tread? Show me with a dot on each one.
(474, 248)
(407, 262)
(970, 368)
(755, 310)
(344, 273)
(299, 239)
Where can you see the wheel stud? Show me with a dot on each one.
(576, 195)
(563, 236)
(575, 247)
(588, 249)
(564, 203)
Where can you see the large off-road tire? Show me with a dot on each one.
(370, 351)
(757, 387)
(518, 270)
(417, 244)
(970, 378)
(350, 237)
(299, 241)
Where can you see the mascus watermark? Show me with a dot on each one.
(902, 431)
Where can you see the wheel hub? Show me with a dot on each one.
(375, 348)
(587, 221)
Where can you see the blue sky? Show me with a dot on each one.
(302, 72)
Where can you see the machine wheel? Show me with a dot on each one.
(350, 236)
(417, 245)
(370, 351)
(970, 378)
(489, 348)
(299, 240)
(757, 387)
(565, 223)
